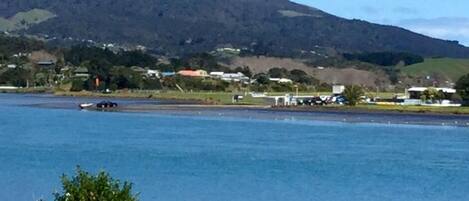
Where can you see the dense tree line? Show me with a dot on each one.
(14, 45)
(82, 53)
(386, 58)
(17, 77)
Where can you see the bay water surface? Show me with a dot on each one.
(222, 157)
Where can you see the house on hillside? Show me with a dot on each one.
(81, 72)
(153, 73)
(217, 75)
(140, 70)
(235, 77)
(46, 64)
(193, 73)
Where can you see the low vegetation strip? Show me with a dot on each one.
(215, 98)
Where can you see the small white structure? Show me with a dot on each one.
(338, 89)
(230, 77)
(153, 73)
(8, 87)
(218, 75)
(11, 66)
(281, 80)
(234, 77)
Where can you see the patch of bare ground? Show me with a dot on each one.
(330, 75)
(262, 64)
(351, 76)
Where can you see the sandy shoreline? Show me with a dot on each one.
(266, 112)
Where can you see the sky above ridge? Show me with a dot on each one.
(445, 19)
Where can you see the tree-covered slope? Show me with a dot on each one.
(271, 27)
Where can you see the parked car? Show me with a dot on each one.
(106, 104)
(318, 101)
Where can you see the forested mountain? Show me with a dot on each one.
(270, 27)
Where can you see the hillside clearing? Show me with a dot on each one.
(450, 69)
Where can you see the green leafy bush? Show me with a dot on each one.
(462, 86)
(352, 94)
(86, 187)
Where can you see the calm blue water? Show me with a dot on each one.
(174, 157)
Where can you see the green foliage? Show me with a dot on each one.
(462, 86)
(262, 79)
(195, 84)
(77, 85)
(24, 20)
(184, 27)
(86, 187)
(352, 94)
(135, 58)
(14, 45)
(125, 78)
(17, 77)
(432, 95)
(386, 58)
(152, 84)
(78, 55)
(448, 68)
(279, 73)
(302, 77)
(245, 70)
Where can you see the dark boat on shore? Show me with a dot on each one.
(106, 104)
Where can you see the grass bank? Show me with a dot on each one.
(416, 109)
(213, 98)
(450, 68)
(28, 90)
(385, 109)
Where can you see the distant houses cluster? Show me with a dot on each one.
(82, 72)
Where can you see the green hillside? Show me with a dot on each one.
(24, 20)
(451, 69)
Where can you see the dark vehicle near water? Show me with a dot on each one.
(106, 104)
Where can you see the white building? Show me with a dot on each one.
(338, 89)
(414, 95)
(218, 75)
(230, 77)
(416, 92)
(153, 73)
(281, 80)
(234, 77)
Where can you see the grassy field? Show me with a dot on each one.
(216, 98)
(451, 69)
(416, 109)
(25, 19)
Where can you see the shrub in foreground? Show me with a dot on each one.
(353, 94)
(101, 187)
